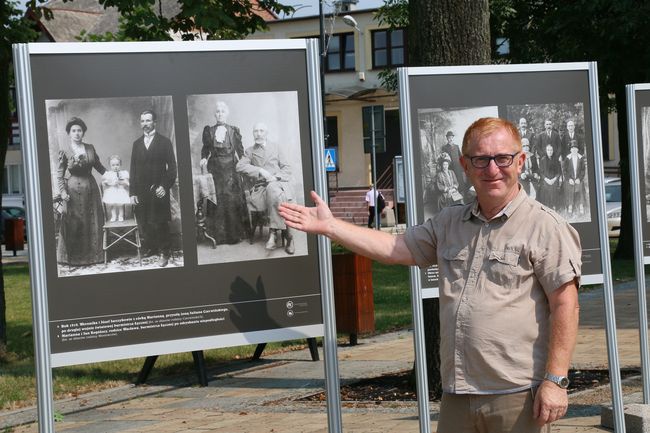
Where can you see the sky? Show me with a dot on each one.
(310, 7)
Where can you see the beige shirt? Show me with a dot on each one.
(494, 278)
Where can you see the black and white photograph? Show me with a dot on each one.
(114, 184)
(441, 137)
(645, 136)
(555, 170)
(246, 159)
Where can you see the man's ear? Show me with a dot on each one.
(464, 163)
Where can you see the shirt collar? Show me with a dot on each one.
(151, 134)
(474, 211)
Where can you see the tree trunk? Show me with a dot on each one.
(445, 32)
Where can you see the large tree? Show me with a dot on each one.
(441, 33)
(613, 33)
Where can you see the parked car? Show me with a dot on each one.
(613, 206)
(11, 212)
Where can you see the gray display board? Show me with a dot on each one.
(228, 292)
(642, 133)
(556, 106)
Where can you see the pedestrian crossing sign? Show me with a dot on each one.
(330, 159)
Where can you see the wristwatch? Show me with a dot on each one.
(561, 381)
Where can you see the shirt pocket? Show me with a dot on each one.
(503, 267)
(455, 262)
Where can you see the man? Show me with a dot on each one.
(153, 173)
(271, 174)
(548, 136)
(372, 197)
(452, 149)
(524, 132)
(529, 172)
(509, 270)
(571, 135)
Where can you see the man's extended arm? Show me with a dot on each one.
(377, 245)
(551, 401)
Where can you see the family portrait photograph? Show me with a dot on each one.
(246, 160)
(441, 139)
(555, 170)
(114, 181)
(645, 136)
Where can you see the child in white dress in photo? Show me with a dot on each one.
(116, 188)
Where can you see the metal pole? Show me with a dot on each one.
(608, 292)
(373, 168)
(323, 58)
(37, 274)
(332, 385)
(638, 239)
(422, 385)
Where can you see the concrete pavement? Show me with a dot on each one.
(265, 396)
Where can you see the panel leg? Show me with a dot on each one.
(313, 348)
(146, 369)
(199, 364)
(258, 351)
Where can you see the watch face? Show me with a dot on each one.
(564, 382)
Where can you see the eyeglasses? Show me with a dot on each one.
(502, 160)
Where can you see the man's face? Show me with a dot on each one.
(450, 139)
(494, 184)
(548, 126)
(259, 133)
(522, 123)
(147, 123)
(570, 126)
(221, 113)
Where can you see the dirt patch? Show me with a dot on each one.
(399, 387)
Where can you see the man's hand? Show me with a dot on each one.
(203, 162)
(311, 220)
(551, 403)
(64, 196)
(160, 192)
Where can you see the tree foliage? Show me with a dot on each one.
(159, 20)
(613, 33)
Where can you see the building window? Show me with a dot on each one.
(15, 134)
(13, 181)
(388, 48)
(340, 53)
(332, 138)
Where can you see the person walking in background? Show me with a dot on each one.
(509, 275)
(375, 203)
(153, 173)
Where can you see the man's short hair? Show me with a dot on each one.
(153, 114)
(486, 126)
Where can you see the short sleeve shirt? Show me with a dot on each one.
(494, 279)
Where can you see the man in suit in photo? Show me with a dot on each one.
(546, 137)
(153, 173)
(571, 135)
(452, 149)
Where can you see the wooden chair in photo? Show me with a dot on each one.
(205, 205)
(121, 232)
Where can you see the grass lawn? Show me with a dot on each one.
(392, 300)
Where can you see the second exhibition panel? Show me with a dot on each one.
(553, 107)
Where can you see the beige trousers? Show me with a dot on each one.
(496, 413)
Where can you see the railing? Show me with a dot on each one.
(385, 179)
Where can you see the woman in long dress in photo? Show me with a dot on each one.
(222, 148)
(549, 183)
(447, 184)
(80, 236)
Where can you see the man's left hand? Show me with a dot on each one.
(160, 192)
(551, 403)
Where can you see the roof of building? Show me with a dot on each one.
(72, 17)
